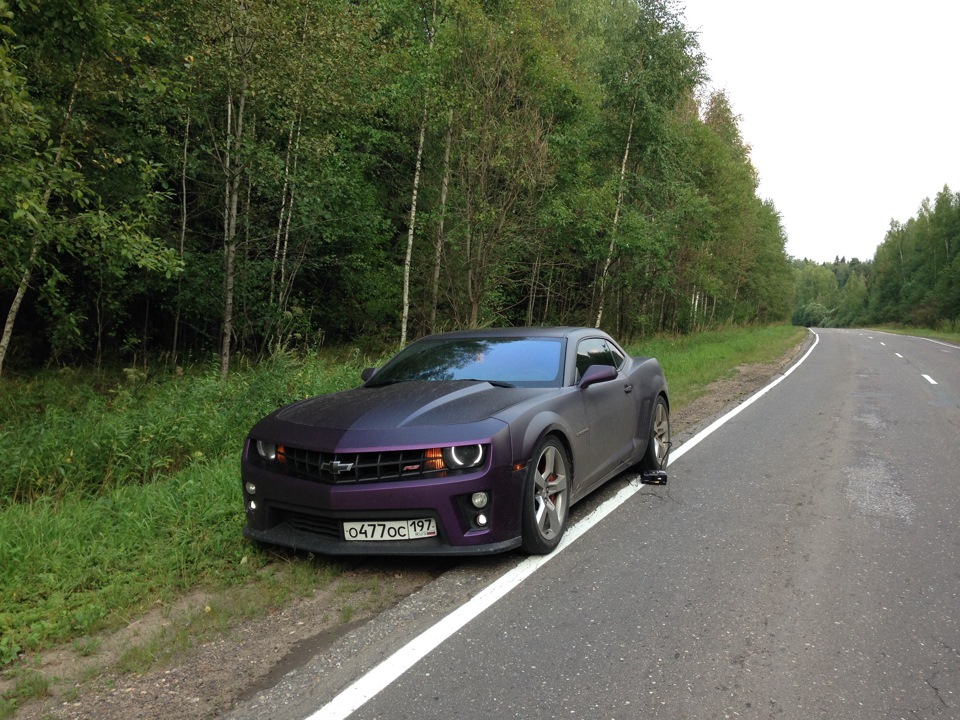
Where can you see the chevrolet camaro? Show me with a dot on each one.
(464, 443)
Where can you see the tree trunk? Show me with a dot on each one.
(283, 211)
(438, 243)
(231, 193)
(546, 302)
(17, 299)
(616, 215)
(183, 236)
(534, 274)
(405, 315)
(39, 240)
(287, 278)
(281, 246)
(410, 230)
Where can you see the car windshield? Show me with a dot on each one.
(523, 362)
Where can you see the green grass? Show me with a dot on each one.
(692, 362)
(69, 432)
(29, 684)
(943, 334)
(71, 567)
(117, 496)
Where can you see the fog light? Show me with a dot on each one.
(250, 488)
(481, 520)
(252, 505)
(479, 500)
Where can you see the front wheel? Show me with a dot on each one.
(546, 498)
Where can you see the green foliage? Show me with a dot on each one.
(915, 269)
(817, 296)
(134, 130)
(913, 279)
(29, 684)
(58, 213)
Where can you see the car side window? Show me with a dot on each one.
(618, 357)
(594, 351)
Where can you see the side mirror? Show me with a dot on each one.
(597, 374)
(368, 373)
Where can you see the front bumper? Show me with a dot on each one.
(287, 536)
(305, 514)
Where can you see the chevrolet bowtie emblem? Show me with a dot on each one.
(336, 467)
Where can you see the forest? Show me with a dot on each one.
(913, 278)
(228, 178)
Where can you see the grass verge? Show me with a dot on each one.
(949, 336)
(692, 362)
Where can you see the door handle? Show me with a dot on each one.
(628, 388)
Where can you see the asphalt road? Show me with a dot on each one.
(803, 562)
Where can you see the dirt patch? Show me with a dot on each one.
(210, 677)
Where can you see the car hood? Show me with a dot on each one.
(406, 405)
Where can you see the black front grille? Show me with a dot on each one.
(315, 524)
(345, 468)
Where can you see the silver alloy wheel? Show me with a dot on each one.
(550, 492)
(661, 435)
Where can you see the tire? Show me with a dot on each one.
(658, 445)
(546, 498)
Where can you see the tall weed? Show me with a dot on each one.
(68, 432)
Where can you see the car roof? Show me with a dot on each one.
(519, 332)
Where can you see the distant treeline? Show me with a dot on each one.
(224, 176)
(913, 279)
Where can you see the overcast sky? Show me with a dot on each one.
(851, 107)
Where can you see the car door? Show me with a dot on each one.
(611, 413)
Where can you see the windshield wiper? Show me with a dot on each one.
(384, 383)
(496, 383)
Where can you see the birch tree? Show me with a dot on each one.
(653, 73)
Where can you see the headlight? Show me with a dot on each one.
(267, 450)
(463, 456)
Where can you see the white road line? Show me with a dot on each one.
(899, 355)
(950, 346)
(937, 342)
(381, 676)
(694, 441)
(364, 689)
(883, 343)
(929, 379)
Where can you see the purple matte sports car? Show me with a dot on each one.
(464, 443)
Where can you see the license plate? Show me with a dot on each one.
(390, 530)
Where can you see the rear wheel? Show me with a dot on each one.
(658, 445)
(546, 498)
